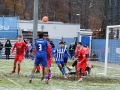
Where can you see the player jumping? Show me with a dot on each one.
(81, 63)
(41, 57)
(20, 52)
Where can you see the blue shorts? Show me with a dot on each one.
(60, 63)
(41, 60)
(65, 60)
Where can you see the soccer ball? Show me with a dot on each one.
(45, 19)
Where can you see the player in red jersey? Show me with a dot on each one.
(81, 63)
(49, 58)
(20, 52)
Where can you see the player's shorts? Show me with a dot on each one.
(81, 66)
(65, 60)
(41, 60)
(18, 58)
(60, 63)
(49, 63)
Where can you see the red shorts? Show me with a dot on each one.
(82, 66)
(18, 58)
(49, 63)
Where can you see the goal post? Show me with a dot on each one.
(107, 44)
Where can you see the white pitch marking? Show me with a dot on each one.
(11, 80)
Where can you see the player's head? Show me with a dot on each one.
(79, 44)
(48, 40)
(19, 38)
(8, 41)
(60, 41)
(40, 35)
(61, 44)
(64, 43)
(90, 66)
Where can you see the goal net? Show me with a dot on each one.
(112, 49)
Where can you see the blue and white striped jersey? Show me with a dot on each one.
(59, 53)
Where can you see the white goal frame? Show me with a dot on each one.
(106, 47)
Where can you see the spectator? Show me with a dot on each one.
(72, 49)
(30, 48)
(65, 45)
(26, 55)
(52, 44)
(53, 47)
(1, 47)
(7, 49)
(86, 48)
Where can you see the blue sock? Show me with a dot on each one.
(68, 68)
(62, 70)
(31, 76)
(46, 76)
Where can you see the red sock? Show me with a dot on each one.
(48, 75)
(14, 68)
(18, 70)
(79, 74)
(38, 68)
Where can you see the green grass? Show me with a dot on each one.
(95, 81)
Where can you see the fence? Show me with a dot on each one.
(98, 45)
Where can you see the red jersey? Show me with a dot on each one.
(49, 55)
(86, 49)
(20, 47)
(81, 55)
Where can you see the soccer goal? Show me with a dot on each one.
(112, 48)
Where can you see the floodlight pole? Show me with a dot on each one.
(35, 20)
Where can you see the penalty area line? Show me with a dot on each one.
(10, 80)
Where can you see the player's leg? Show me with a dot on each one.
(36, 63)
(19, 61)
(79, 72)
(49, 71)
(74, 63)
(14, 67)
(38, 69)
(14, 64)
(42, 73)
(46, 74)
(48, 65)
(83, 67)
(44, 64)
(65, 62)
(63, 69)
(32, 73)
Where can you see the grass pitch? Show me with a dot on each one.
(96, 81)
